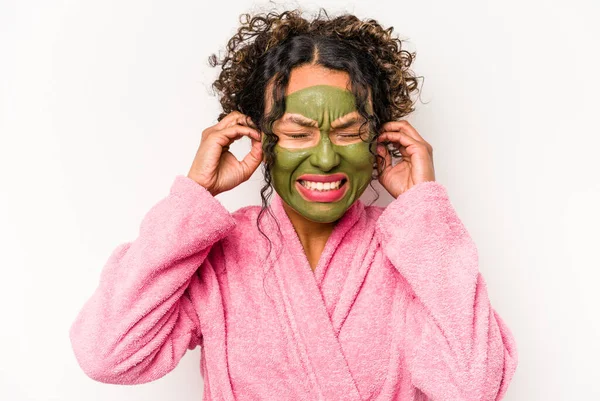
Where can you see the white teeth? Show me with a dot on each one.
(321, 186)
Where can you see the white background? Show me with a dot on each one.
(103, 103)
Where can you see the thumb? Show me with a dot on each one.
(386, 163)
(253, 159)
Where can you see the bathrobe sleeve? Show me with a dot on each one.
(456, 346)
(140, 320)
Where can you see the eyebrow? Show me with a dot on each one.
(300, 120)
(348, 123)
(307, 122)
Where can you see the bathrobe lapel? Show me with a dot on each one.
(310, 322)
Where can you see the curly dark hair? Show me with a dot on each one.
(267, 46)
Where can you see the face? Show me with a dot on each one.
(322, 166)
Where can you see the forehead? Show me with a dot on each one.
(323, 104)
(307, 76)
(312, 75)
(318, 93)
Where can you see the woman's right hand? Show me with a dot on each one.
(214, 166)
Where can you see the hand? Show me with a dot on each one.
(416, 164)
(214, 166)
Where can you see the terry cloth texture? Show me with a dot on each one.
(396, 308)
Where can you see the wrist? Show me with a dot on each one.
(202, 184)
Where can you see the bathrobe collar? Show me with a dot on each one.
(344, 224)
(311, 323)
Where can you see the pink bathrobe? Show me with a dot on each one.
(396, 308)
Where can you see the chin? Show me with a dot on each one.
(322, 217)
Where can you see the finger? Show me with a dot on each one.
(224, 123)
(235, 117)
(229, 135)
(242, 119)
(398, 137)
(403, 126)
(385, 164)
(397, 148)
(224, 138)
(252, 160)
(249, 122)
(403, 152)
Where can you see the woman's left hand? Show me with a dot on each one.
(416, 164)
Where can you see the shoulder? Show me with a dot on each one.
(246, 215)
(245, 244)
(246, 227)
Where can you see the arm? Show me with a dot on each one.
(140, 321)
(457, 347)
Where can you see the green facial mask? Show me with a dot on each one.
(323, 104)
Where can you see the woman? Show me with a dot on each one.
(321, 297)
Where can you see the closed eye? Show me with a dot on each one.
(297, 135)
(347, 136)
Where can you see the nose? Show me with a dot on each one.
(325, 157)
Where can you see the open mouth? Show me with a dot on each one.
(323, 191)
(323, 186)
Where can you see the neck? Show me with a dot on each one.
(313, 235)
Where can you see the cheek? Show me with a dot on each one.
(287, 162)
(359, 157)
